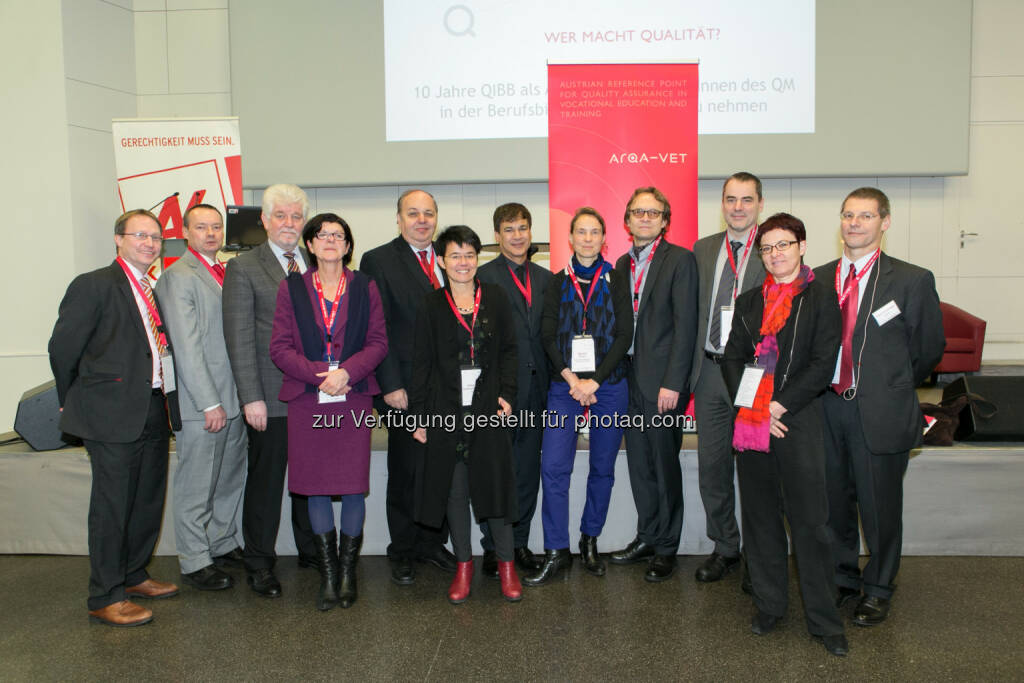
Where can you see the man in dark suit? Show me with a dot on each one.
(115, 383)
(249, 299)
(405, 269)
(728, 265)
(524, 283)
(892, 339)
(663, 282)
(210, 476)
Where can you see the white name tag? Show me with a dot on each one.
(749, 383)
(723, 336)
(584, 357)
(469, 377)
(167, 364)
(323, 397)
(886, 313)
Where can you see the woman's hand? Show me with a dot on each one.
(503, 407)
(420, 434)
(584, 391)
(335, 382)
(777, 410)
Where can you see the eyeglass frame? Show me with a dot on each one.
(767, 249)
(143, 236)
(650, 213)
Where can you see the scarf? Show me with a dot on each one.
(753, 425)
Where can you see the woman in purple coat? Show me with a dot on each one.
(328, 338)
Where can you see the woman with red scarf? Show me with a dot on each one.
(779, 360)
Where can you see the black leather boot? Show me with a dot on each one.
(592, 562)
(327, 557)
(554, 562)
(348, 551)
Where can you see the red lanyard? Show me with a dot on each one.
(855, 280)
(576, 284)
(526, 291)
(743, 260)
(638, 282)
(149, 300)
(462, 321)
(213, 273)
(329, 320)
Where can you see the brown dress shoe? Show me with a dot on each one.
(151, 588)
(122, 613)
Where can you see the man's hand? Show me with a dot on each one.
(216, 418)
(335, 382)
(399, 400)
(503, 407)
(667, 400)
(420, 434)
(256, 415)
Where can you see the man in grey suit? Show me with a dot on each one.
(250, 298)
(728, 265)
(211, 443)
(663, 282)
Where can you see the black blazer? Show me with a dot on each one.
(402, 285)
(666, 329)
(898, 355)
(527, 322)
(101, 360)
(808, 344)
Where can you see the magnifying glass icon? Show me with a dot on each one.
(458, 21)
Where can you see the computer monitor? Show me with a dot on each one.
(244, 228)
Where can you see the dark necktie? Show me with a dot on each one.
(427, 270)
(724, 295)
(293, 265)
(849, 311)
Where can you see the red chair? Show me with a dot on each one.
(965, 337)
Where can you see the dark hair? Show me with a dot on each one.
(782, 221)
(586, 211)
(666, 209)
(461, 235)
(313, 226)
(511, 212)
(870, 193)
(188, 212)
(124, 217)
(401, 198)
(744, 177)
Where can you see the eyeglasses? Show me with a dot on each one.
(143, 236)
(330, 236)
(778, 246)
(864, 216)
(650, 213)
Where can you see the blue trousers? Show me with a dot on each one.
(558, 454)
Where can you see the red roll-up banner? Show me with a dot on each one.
(611, 129)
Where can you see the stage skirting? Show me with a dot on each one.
(958, 501)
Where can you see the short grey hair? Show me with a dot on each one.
(284, 193)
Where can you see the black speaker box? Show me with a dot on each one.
(994, 411)
(38, 416)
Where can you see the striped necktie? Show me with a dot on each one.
(293, 265)
(161, 348)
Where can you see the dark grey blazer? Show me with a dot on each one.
(250, 297)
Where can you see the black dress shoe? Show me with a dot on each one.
(526, 561)
(589, 556)
(554, 562)
(402, 571)
(309, 561)
(836, 645)
(845, 595)
(871, 610)
(263, 582)
(636, 551)
(209, 578)
(716, 567)
(661, 568)
(763, 623)
(489, 566)
(233, 558)
(441, 558)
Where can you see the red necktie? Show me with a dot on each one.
(218, 269)
(427, 270)
(849, 311)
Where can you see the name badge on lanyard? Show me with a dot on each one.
(726, 328)
(323, 397)
(584, 356)
(749, 383)
(470, 374)
(167, 363)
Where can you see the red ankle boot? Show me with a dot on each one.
(459, 590)
(510, 586)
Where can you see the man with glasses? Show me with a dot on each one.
(208, 481)
(111, 360)
(892, 338)
(250, 299)
(662, 280)
(728, 266)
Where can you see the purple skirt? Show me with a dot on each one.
(328, 455)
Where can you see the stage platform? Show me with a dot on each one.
(962, 500)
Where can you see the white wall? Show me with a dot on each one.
(178, 65)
